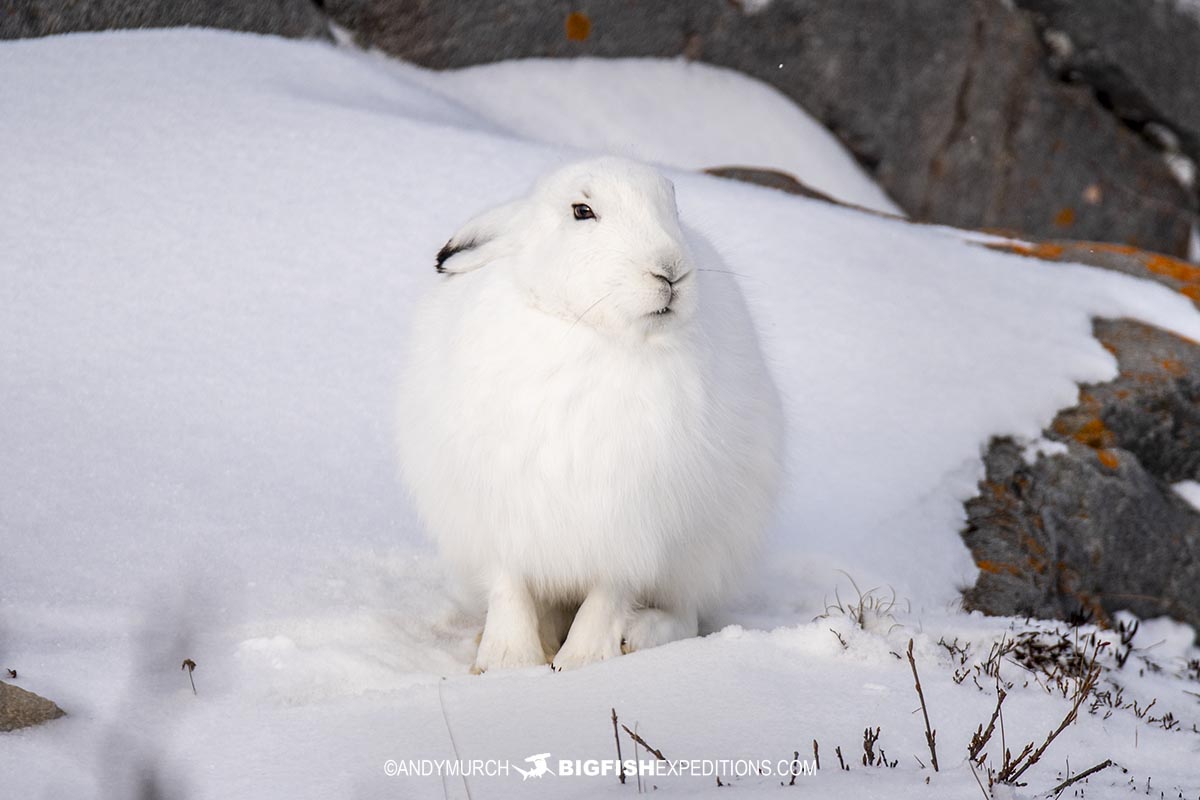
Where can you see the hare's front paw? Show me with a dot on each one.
(596, 632)
(498, 651)
(580, 650)
(510, 634)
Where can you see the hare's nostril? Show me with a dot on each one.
(670, 277)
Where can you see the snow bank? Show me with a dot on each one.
(676, 113)
(1189, 491)
(211, 242)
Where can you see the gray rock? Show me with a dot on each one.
(21, 19)
(949, 104)
(1074, 538)
(1099, 529)
(21, 709)
(1152, 410)
(1143, 58)
(773, 179)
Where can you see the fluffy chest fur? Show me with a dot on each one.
(578, 453)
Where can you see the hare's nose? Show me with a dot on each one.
(671, 276)
(668, 269)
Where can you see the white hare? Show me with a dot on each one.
(587, 426)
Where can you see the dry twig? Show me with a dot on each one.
(657, 753)
(981, 736)
(1013, 769)
(190, 666)
(930, 733)
(617, 736)
(1057, 790)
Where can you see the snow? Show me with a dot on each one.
(675, 113)
(211, 245)
(754, 6)
(1189, 491)
(1189, 6)
(1041, 447)
(1183, 168)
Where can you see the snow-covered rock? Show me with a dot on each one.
(1095, 527)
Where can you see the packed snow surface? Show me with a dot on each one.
(211, 243)
(1191, 6)
(679, 113)
(1190, 491)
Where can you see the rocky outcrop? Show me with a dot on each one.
(777, 180)
(960, 110)
(21, 19)
(1142, 59)
(1097, 528)
(22, 709)
(1080, 536)
(950, 105)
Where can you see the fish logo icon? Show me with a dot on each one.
(539, 768)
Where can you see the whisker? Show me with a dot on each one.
(586, 311)
(726, 272)
(546, 396)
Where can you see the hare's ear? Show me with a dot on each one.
(480, 241)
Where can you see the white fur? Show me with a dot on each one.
(566, 447)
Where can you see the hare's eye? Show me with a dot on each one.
(583, 211)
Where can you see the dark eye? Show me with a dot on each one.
(583, 211)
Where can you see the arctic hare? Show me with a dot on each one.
(586, 421)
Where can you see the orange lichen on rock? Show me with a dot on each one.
(1094, 434)
(1173, 366)
(995, 567)
(1065, 217)
(1172, 268)
(1108, 458)
(1008, 233)
(1033, 545)
(1043, 250)
(579, 26)
(1109, 247)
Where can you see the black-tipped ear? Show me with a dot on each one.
(449, 249)
(480, 241)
